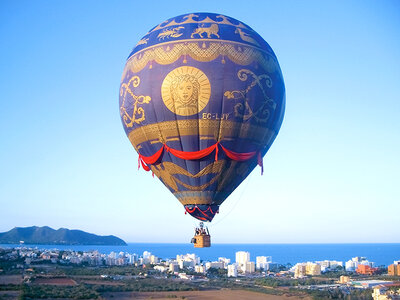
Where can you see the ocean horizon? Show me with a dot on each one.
(382, 254)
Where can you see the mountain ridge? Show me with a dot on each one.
(61, 236)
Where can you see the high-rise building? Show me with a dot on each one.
(173, 267)
(242, 258)
(299, 270)
(153, 259)
(394, 269)
(250, 267)
(225, 260)
(146, 257)
(262, 262)
(132, 258)
(232, 270)
(313, 269)
(199, 269)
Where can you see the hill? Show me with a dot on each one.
(50, 236)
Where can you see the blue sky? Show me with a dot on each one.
(332, 174)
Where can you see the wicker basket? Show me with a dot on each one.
(202, 241)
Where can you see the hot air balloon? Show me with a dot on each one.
(202, 99)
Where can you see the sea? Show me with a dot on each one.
(380, 254)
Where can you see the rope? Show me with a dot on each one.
(236, 203)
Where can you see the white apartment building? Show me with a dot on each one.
(161, 268)
(186, 264)
(215, 264)
(132, 258)
(242, 258)
(153, 259)
(352, 264)
(189, 257)
(329, 264)
(250, 267)
(232, 270)
(313, 269)
(309, 268)
(146, 257)
(173, 267)
(200, 269)
(299, 270)
(225, 260)
(262, 262)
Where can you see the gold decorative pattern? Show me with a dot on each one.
(224, 179)
(243, 110)
(210, 31)
(246, 37)
(223, 176)
(219, 129)
(142, 42)
(188, 19)
(170, 33)
(238, 53)
(197, 199)
(167, 170)
(138, 114)
(186, 91)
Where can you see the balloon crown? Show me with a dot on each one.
(201, 26)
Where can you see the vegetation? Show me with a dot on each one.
(104, 270)
(62, 236)
(216, 273)
(276, 282)
(48, 291)
(90, 285)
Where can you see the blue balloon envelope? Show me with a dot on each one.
(202, 99)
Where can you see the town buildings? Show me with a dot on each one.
(242, 258)
(386, 292)
(366, 269)
(309, 268)
(191, 263)
(394, 269)
(352, 264)
(262, 262)
(232, 270)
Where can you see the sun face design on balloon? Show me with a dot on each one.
(186, 91)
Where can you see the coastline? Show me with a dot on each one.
(380, 253)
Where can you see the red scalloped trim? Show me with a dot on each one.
(145, 161)
(202, 211)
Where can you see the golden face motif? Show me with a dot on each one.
(186, 91)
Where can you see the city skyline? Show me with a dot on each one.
(65, 160)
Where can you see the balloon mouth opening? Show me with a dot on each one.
(202, 212)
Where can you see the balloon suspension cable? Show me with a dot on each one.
(238, 200)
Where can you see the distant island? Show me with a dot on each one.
(62, 236)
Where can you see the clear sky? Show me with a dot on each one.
(332, 174)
